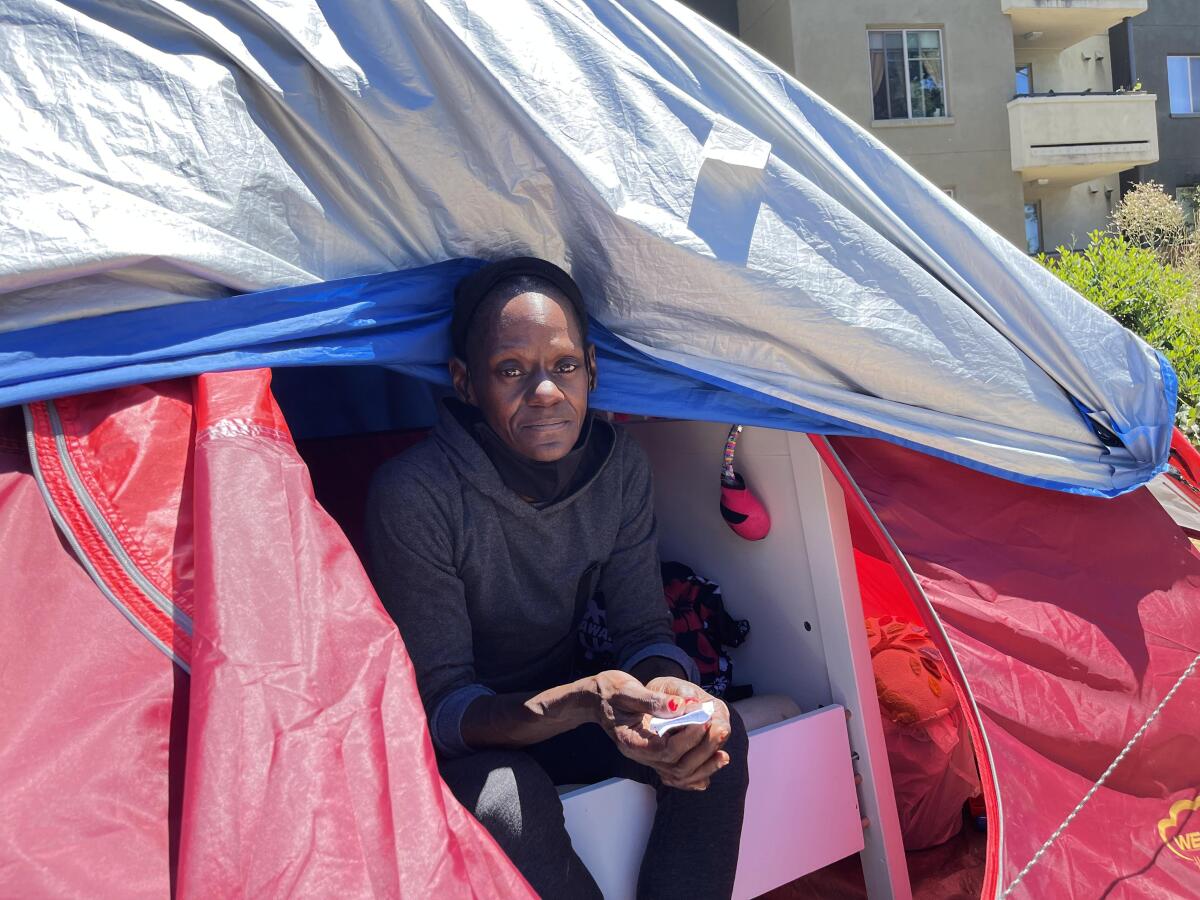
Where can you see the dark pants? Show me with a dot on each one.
(693, 846)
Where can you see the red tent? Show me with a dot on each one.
(1068, 620)
(294, 759)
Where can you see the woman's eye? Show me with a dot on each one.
(567, 368)
(510, 372)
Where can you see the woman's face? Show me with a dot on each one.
(528, 373)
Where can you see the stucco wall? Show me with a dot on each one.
(1069, 214)
(825, 46)
(766, 25)
(1088, 64)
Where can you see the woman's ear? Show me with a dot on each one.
(591, 364)
(461, 379)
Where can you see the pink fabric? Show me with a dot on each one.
(1071, 617)
(85, 716)
(306, 769)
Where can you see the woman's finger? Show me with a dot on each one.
(632, 697)
(681, 741)
(710, 767)
(685, 785)
(689, 763)
(681, 688)
(715, 734)
(719, 726)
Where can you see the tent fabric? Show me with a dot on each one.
(396, 319)
(91, 756)
(1068, 619)
(720, 218)
(295, 759)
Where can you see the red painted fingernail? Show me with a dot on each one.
(672, 704)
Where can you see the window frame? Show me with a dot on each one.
(1041, 227)
(1193, 60)
(904, 31)
(1017, 71)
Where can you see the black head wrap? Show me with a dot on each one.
(472, 290)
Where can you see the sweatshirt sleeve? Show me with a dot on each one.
(639, 621)
(410, 552)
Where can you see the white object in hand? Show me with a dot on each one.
(695, 717)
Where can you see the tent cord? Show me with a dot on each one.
(1103, 778)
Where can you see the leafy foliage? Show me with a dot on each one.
(1147, 217)
(1150, 297)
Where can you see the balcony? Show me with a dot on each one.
(1065, 139)
(1058, 24)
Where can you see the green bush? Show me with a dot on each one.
(1179, 340)
(1147, 296)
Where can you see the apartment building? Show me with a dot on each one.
(1161, 49)
(1010, 106)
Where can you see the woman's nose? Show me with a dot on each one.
(546, 392)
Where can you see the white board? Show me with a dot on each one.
(801, 811)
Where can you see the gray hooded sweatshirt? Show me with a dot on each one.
(486, 588)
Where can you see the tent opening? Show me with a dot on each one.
(347, 421)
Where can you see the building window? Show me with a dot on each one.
(1033, 228)
(1024, 80)
(907, 75)
(1183, 84)
(1188, 196)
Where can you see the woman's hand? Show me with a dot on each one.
(618, 700)
(695, 751)
(613, 699)
(684, 758)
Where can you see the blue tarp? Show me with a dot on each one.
(398, 320)
(746, 251)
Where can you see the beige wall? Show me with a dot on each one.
(1068, 70)
(766, 25)
(824, 43)
(1069, 214)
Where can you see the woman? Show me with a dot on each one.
(486, 543)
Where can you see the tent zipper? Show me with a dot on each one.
(56, 514)
(173, 612)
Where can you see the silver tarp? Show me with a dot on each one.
(716, 213)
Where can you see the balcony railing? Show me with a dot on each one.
(1068, 138)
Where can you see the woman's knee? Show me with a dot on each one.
(516, 801)
(510, 794)
(737, 772)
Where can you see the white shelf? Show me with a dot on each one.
(801, 811)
